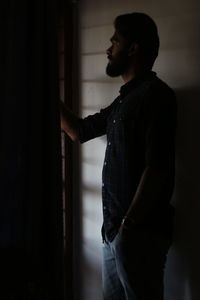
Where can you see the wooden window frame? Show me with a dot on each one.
(69, 65)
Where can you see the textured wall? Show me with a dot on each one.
(178, 64)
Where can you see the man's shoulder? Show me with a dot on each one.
(160, 96)
(151, 90)
(157, 85)
(151, 84)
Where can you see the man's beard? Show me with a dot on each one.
(118, 65)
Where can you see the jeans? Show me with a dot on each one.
(133, 266)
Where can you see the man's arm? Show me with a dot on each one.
(157, 181)
(87, 128)
(69, 122)
(148, 193)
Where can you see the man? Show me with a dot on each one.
(138, 171)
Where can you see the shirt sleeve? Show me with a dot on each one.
(94, 125)
(161, 117)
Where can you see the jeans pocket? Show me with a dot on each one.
(116, 238)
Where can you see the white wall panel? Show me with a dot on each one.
(97, 95)
(96, 39)
(103, 12)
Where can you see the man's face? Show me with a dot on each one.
(119, 60)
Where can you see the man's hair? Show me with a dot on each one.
(140, 28)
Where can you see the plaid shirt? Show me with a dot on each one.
(140, 127)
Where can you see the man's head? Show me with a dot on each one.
(135, 42)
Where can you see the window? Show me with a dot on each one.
(67, 39)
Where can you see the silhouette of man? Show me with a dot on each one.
(138, 170)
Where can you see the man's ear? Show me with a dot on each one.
(133, 49)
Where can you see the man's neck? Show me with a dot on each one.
(128, 77)
(133, 73)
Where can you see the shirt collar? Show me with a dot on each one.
(127, 87)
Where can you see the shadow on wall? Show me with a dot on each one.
(183, 267)
(93, 288)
